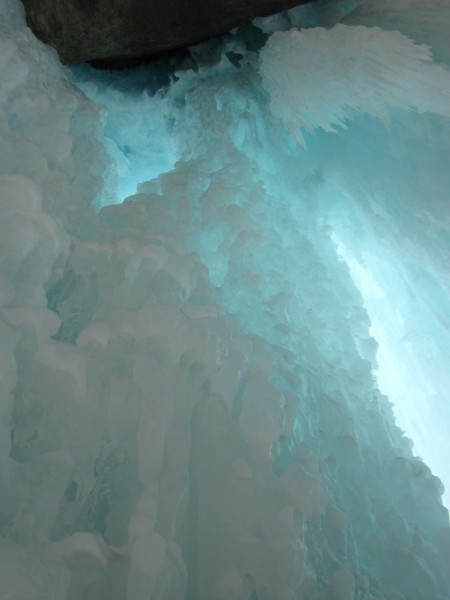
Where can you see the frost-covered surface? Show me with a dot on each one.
(426, 22)
(299, 69)
(189, 402)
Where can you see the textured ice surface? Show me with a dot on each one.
(427, 23)
(142, 146)
(315, 80)
(189, 385)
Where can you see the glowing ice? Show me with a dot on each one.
(189, 404)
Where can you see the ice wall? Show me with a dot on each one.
(189, 390)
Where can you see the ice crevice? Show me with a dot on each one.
(224, 299)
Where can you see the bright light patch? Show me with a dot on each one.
(137, 132)
(408, 375)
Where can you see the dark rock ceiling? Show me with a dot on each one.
(120, 30)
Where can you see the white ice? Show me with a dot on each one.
(204, 387)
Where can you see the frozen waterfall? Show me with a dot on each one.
(225, 314)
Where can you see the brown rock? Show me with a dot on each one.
(84, 30)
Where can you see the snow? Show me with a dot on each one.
(204, 287)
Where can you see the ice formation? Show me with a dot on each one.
(189, 379)
(299, 69)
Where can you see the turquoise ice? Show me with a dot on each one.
(225, 312)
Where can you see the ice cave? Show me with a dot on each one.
(225, 313)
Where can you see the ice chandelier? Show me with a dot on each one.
(190, 378)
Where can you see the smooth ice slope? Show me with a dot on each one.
(189, 396)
